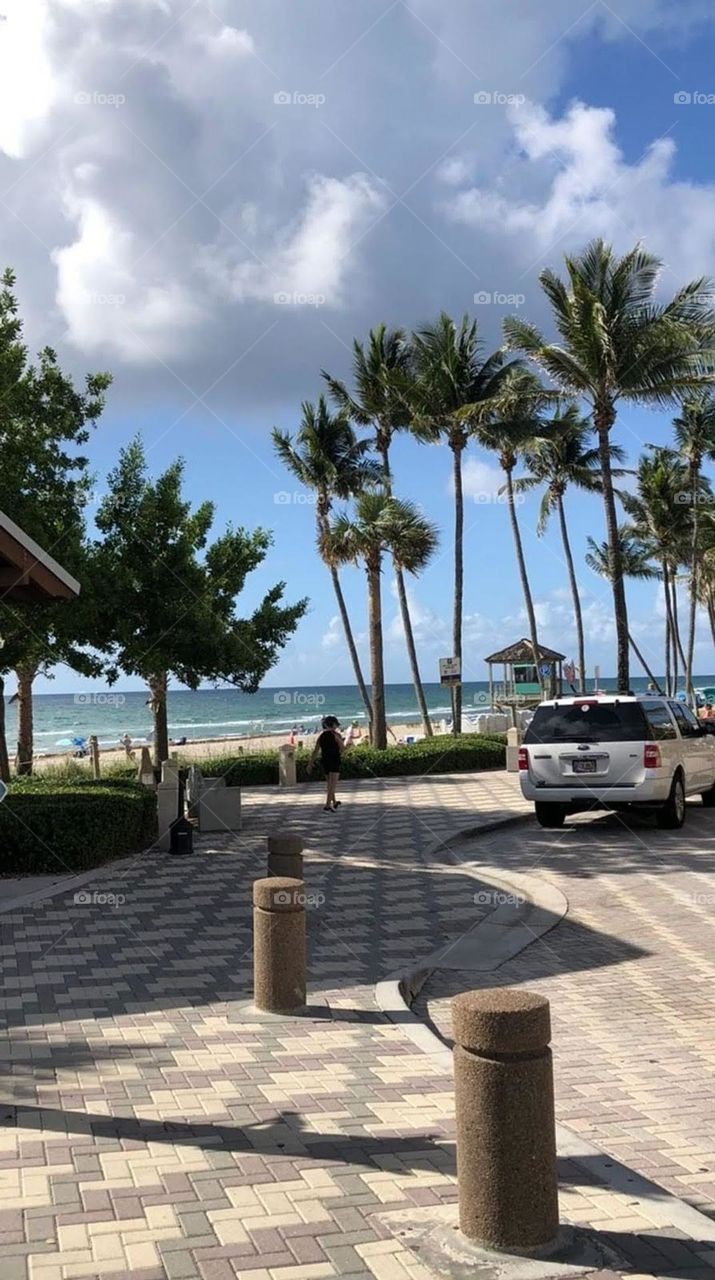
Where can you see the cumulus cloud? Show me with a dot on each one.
(198, 160)
(590, 189)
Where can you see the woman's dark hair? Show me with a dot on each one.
(331, 722)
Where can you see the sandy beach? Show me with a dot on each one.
(207, 748)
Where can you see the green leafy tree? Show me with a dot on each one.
(695, 436)
(618, 343)
(382, 525)
(169, 595)
(327, 457)
(450, 372)
(559, 459)
(45, 421)
(381, 376)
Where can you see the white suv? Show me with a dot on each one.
(614, 751)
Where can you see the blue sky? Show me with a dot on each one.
(159, 202)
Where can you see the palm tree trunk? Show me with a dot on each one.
(457, 449)
(158, 685)
(25, 732)
(695, 532)
(521, 562)
(321, 517)
(412, 652)
(382, 440)
(644, 664)
(350, 640)
(670, 653)
(711, 615)
(378, 735)
(4, 757)
(578, 614)
(603, 421)
(676, 623)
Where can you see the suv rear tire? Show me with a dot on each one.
(672, 815)
(550, 815)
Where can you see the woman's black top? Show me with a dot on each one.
(329, 751)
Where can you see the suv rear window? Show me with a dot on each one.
(588, 722)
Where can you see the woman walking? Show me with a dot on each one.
(330, 746)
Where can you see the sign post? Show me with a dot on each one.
(450, 673)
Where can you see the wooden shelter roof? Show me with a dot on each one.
(28, 573)
(522, 651)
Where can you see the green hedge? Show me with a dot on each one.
(49, 825)
(465, 754)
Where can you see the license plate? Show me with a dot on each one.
(584, 766)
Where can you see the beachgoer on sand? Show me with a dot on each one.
(330, 746)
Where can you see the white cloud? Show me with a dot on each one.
(334, 635)
(582, 186)
(311, 259)
(481, 481)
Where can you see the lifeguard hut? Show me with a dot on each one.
(525, 681)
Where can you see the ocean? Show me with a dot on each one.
(227, 713)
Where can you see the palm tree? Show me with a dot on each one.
(382, 525)
(636, 562)
(380, 374)
(618, 343)
(327, 457)
(660, 519)
(450, 372)
(507, 424)
(695, 435)
(559, 458)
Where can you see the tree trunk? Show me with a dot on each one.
(350, 639)
(4, 757)
(25, 730)
(671, 654)
(644, 665)
(158, 685)
(412, 652)
(383, 445)
(457, 449)
(676, 623)
(692, 618)
(521, 562)
(604, 418)
(322, 511)
(578, 614)
(378, 736)
(711, 615)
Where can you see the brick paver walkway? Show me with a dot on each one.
(631, 978)
(153, 1128)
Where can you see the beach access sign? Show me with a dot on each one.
(450, 671)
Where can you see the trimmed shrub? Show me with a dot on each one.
(51, 825)
(466, 754)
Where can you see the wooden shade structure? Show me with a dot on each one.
(521, 673)
(28, 573)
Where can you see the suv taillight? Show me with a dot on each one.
(651, 756)
(523, 758)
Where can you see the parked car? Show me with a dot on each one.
(616, 751)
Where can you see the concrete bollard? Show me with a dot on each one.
(279, 955)
(514, 738)
(506, 1143)
(286, 766)
(285, 856)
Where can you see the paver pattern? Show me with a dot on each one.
(631, 978)
(153, 1127)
